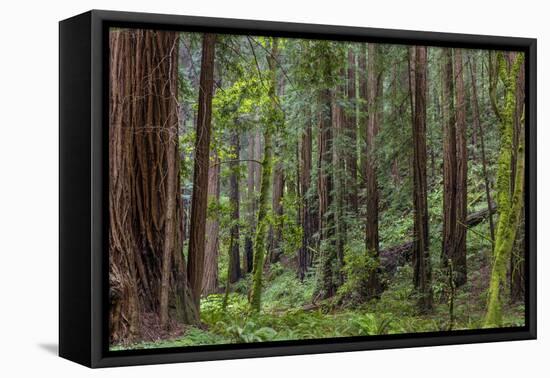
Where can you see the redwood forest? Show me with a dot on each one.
(275, 189)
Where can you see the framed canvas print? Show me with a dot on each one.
(233, 188)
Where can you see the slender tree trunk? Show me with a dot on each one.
(373, 118)
(421, 255)
(351, 135)
(146, 266)
(449, 160)
(200, 173)
(363, 120)
(338, 164)
(325, 188)
(305, 209)
(275, 231)
(517, 259)
(509, 204)
(251, 209)
(459, 257)
(234, 265)
(479, 126)
(210, 280)
(260, 247)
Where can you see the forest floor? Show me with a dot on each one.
(289, 314)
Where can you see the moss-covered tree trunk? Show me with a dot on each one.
(509, 203)
(517, 259)
(272, 119)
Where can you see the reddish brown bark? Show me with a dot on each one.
(146, 267)
(372, 198)
(421, 254)
(200, 172)
(351, 135)
(449, 158)
(454, 165)
(459, 257)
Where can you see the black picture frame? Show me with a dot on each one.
(83, 213)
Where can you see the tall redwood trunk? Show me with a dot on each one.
(449, 159)
(200, 172)
(146, 266)
(421, 254)
(363, 121)
(351, 136)
(325, 188)
(459, 257)
(338, 166)
(454, 165)
(373, 124)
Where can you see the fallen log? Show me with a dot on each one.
(477, 217)
(396, 256)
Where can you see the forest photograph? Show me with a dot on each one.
(267, 189)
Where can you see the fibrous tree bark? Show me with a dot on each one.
(459, 257)
(201, 165)
(146, 266)
(449, 157)
(454, 165)
(421, 254)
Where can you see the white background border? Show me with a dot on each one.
(29, 187)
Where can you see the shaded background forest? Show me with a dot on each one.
(275, 189)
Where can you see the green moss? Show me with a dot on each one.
(509, 205)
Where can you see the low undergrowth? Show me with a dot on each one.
(287, 313)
